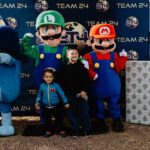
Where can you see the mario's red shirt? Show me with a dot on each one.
(119, 62)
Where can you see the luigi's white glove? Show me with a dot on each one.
(30, 35)
(123, 53)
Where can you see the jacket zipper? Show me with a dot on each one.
(48, 95)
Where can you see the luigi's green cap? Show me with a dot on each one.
(50, 17)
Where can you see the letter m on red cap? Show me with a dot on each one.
(104, 30)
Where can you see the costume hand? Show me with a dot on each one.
(83, 94)
(37, 107)
(67, 106)
(30, 35)
(123, 53)
(6, 59)
(85, 63)
(96, 76)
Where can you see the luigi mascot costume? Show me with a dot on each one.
(9, 75)
(50, 29)
(104, 66)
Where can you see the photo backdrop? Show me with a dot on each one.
(130, 18)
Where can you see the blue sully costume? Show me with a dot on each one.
(9, 76)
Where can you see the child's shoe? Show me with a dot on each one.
(63, 133)
(75, 134)
(48, 134)
(117, 125)
(88, 134)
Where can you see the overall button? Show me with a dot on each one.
(112, 65)
(58, 56)
(97, 65)
(42, 56)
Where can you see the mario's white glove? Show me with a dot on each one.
(30, 35)
(123, 53)
(85, 63)
(96, 76)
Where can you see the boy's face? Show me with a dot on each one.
(73, 56)
(48, 77)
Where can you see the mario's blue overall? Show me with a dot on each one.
(107, 85)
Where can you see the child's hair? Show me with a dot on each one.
(72, 46)
(50, 70)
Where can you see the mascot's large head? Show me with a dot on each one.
(9, 41)
(50, 27)
(102, 38)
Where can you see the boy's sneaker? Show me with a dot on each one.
(88, 134)
(48, 134)
(117, 125)
(75, 134)
(62, 133)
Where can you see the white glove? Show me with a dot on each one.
(85, 63)
(30, 35)
(123, 53)
(96, 76)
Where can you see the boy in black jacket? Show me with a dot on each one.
(76, 83)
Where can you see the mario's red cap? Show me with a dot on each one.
(102, 31)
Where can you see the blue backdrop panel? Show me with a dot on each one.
(130, 18)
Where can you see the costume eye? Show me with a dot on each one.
(54, 28)
(100, 41)
(45, 29)
(108, 40)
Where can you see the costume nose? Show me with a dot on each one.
(105, 44)
(51, 32)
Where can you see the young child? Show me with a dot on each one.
(48, 99)
(76, 82)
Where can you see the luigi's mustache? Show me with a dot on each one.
(56, 36)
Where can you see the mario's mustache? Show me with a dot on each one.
(56, 36)
(104, 48)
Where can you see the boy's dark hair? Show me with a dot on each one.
(72, 46)
(50, 70)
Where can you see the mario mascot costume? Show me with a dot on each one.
(50, 28)
(9, 76)
(104, 66)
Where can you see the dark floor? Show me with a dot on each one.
(135, 137)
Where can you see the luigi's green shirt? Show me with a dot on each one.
(33, 51)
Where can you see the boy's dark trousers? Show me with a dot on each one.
(78, 114)
(56, 113)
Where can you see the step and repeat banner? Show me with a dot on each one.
(130, 18)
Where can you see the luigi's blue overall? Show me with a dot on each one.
(106, 86)
(49, 60)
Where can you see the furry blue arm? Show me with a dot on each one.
(6, 59)
(0, 94)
